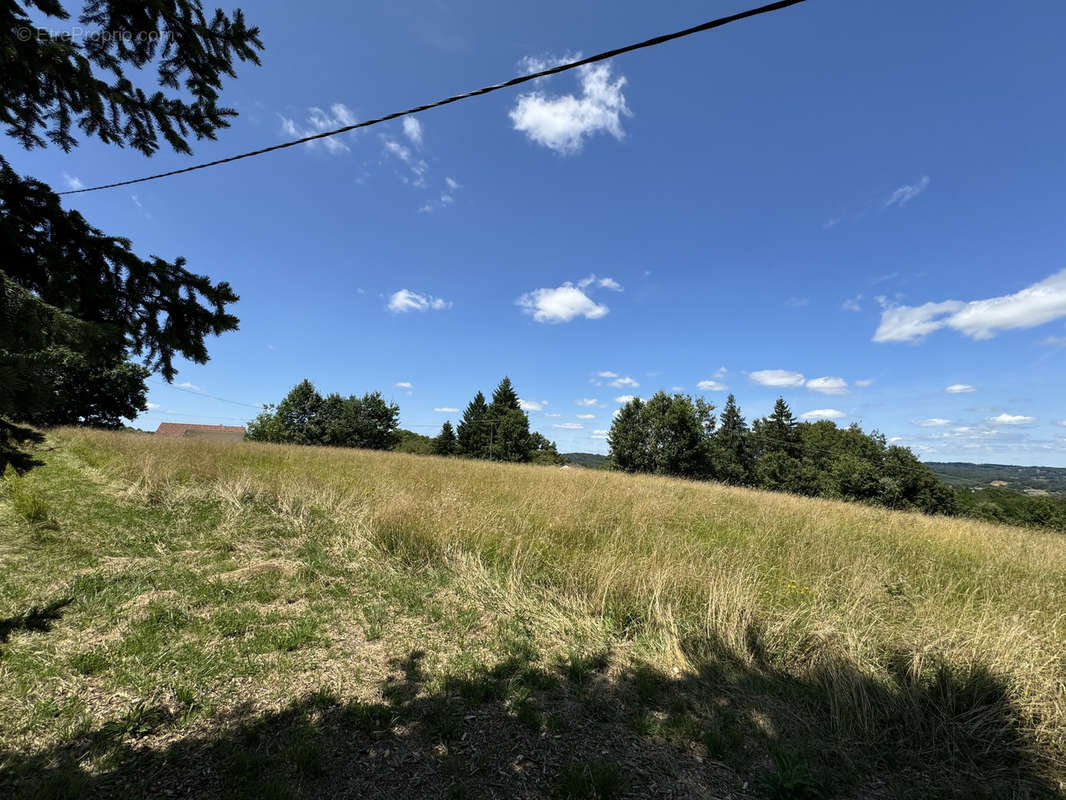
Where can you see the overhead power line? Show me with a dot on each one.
(706, 26)
(199, 393)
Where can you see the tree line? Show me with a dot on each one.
(306, 417)
(682, 436)
(497, 430)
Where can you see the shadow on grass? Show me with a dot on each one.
(16, 442)
(574, 729)
(37, 619)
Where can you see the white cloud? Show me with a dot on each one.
(904, 194)
(828, 385)
(960, 388)
(896, 439)
(417, 166)
(721, 372)
(136, 201)
(711, 386)
(932, 422)
(403, 385)
(1061, 422)
(607, 374)
(561, 123)
(412, 129)
(402, 152)
(447, 410)
(187, 385)
(319, 121)
(865, 382)
(453, 184)
(560, 304)
(152, 406)
(554, 416)
(625, 398)
(531, 405)
(604, 283)
(600, 434)
(73, 182)
(797, 302)
(569, 426)
(585, 416)
(777, 377)
(979, 319)
(406, 300)
(823, 413)
(852, 304)
(624, 383)
(1011, 419)
(589, 402)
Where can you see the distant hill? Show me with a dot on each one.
(591, 460)
(1033, 480)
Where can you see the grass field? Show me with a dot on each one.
(195, 619)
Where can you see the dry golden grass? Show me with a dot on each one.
(696, 561)
(859, 602)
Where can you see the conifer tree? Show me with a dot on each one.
(446, 443)
(505, 398)
(473, 432)
(732, 450)
(510, 425)
(780, 429)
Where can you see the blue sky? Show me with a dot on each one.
(858, 205)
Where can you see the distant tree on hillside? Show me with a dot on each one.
(732, 455)
(305, 417)
(510, 425)
(266, 427)
(473, 431)
(416, 443)
(543, 450)
(628, 438)
(446, 443)
(380, 421)
(667, 435)
(776, 449)
(299, 415)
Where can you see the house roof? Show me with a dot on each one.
(185, 429)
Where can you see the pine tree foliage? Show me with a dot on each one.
(97, 303)
(446, 443)
(55, 83)
(499, 430)
(473, 431)
(509, 426)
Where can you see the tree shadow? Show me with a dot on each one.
(38, 619)
(581, 727)
(15, 443)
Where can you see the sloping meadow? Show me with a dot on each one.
(776, 643)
